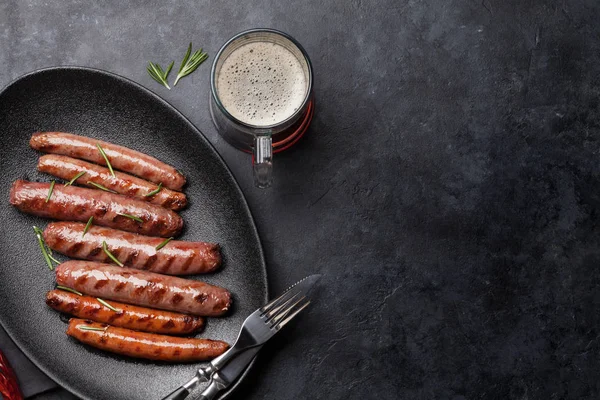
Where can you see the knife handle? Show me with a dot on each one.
(210, 392)
(179, 394)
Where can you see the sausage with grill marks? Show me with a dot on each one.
(150, 346)
(73, 203)
(133, 250)
(121, 158)
(127, 316)
(67, 168)
(144, 288)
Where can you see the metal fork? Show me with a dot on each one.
(258, 328)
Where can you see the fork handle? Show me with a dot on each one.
(179, 394)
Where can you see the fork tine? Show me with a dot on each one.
(291, 316)
(286, 310)
(277, 309)
(275, 302)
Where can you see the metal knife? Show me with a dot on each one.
(259, 327)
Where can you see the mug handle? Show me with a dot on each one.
(262, 160)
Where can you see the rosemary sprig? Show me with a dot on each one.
(163, 244)
(155, 191)
(99, 186)
(72, 181)
(101, 150)
(87, 226)
(190, 63)
(110, 255)
(105, 304)
(46, 251)
(133, 217)
(68, 289)
(50, 190)
(156, 72)
(92, 328)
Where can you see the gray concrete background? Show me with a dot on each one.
(448, 188)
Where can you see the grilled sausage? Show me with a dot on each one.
(136, 251)
(144, 288)
(73, 203)
(144, 345)
(120, 157)
(66, 168)
(131, 317)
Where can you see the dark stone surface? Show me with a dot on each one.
(448, 188)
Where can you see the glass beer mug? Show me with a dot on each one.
(261, 95)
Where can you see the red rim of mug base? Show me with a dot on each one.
(298, 133)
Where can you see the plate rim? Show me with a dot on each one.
(63, 383)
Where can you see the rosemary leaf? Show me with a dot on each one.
(87, 226)
(50, 255)
(72, 181)
(40, 238)
(68, 289)
(91, 328)
(155, 71)
(50, 191)
(169, 68)
(163, 244)
(110, 255)
(105, 304)
(99, 186)
(101, 150)
(155, 191)
(133, 217)
(40, 232)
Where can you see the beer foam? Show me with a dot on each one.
(261, 83)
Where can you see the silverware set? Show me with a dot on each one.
(257, 329)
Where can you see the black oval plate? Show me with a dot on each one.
(108, 107)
